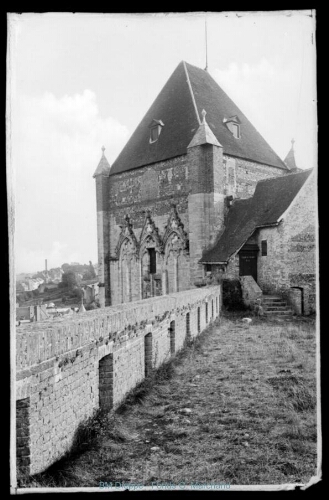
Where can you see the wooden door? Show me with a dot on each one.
(248, 264)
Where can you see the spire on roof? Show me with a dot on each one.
(204, 134)
(82, 307)
(290, 158)
(103, 166)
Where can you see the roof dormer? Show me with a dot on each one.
(155, 130)
(233, 124)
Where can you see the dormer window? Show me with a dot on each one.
(235, 129)
(155, 130)
(233, 124)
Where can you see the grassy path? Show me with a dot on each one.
(238, 407)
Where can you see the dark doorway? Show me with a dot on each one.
(148, 353)
(153, 262)
(106, 382)
(248, 261)
(172, 337)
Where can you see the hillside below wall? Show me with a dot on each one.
(68, 368)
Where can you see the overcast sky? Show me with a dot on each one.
(80, 81)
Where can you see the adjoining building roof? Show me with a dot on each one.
(271, 199)
(179, 105)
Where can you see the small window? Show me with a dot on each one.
(208, 268)
(153, 262)
(154, 134)
(235, 130)
(233, 124)
(155, 130)
(264, 248)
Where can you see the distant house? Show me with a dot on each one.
(90, 290)
(52, 286)
(31, 313)
(55, 274)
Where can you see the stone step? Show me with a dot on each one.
(279, 313)
(267, 300)
(274, 307)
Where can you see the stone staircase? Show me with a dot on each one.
(274, 305)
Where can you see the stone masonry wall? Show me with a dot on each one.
(154, 188)
(197, 183)
(291, 250)
(67, 368)
(241, 176)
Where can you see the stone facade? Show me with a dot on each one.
(176, 207)
(289, 268)
(67, 370)
(291, 250)
(241, 176)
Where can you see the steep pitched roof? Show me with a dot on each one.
(103, 166)
(203, 135)
(271, 199)
(290, 158)
(209, 96)
(188, 91)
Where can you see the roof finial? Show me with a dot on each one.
(292, 143)
(204, 112)
(103, 149)
(205, 21)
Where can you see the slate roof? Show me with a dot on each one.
(271, 199)
(103, 167)
(203, 135)
(290, 158)
(188, 91)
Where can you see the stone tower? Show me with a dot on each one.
(206, 198)
(101, 177)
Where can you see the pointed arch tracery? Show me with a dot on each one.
(127, 255)
(175, 236)
(127, 233)
(150, 237)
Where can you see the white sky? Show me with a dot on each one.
(80, 81)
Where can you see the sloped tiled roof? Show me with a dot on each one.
(103, 167)
(271, 199)
(204, 135)
(290, 158)
(188, 91)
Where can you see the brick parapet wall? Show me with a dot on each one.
(60, 375)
